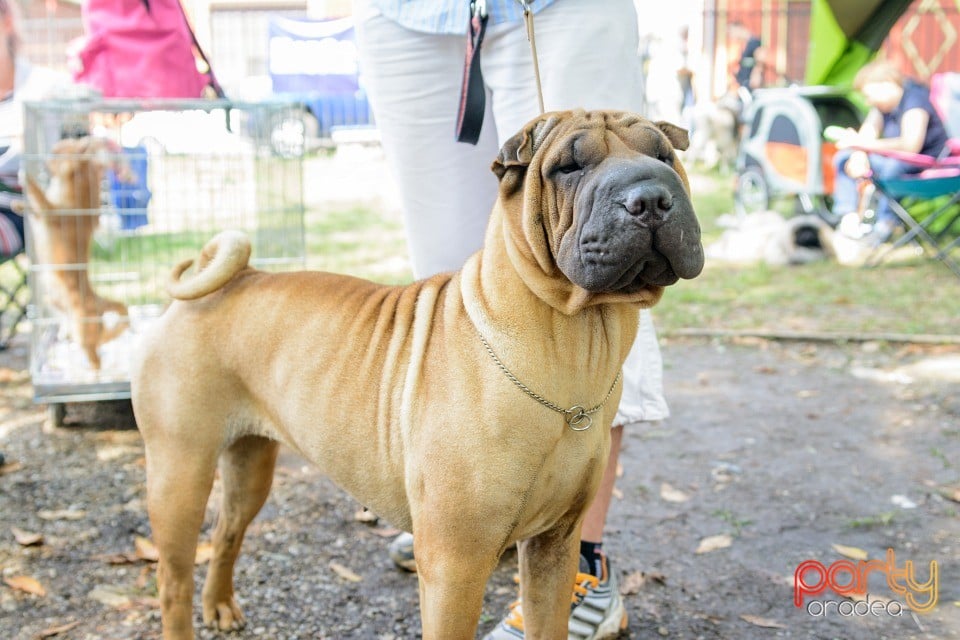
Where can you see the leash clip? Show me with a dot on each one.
(479, 8)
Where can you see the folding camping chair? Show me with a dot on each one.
(937, 227)
(937, 232)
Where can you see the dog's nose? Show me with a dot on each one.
(652, 202)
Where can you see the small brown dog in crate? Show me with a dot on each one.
(63, 218)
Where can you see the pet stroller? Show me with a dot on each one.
(783, 152)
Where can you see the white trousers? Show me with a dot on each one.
(588, 59)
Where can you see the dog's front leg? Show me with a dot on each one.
(548, 567)
(452, 583)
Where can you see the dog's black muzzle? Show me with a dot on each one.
(634, 226)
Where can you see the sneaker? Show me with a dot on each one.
(596, 611)
(401, 552)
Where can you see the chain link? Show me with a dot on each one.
(576, 416)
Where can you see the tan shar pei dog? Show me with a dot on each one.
(401, 393)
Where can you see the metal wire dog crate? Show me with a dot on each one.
(118, 192)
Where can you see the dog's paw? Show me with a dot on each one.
(224, 615)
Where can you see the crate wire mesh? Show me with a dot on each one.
(119, 192)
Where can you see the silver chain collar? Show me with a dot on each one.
(576, 417)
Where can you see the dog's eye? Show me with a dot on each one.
(569, 167)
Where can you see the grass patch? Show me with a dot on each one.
(358, 241)
(736, 523)
(880, 520)
(918, 297)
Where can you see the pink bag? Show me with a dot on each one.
(141, 49)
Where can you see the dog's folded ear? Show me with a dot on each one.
(518, 151)
(677, 136)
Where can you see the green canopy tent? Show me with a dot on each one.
(845, 35)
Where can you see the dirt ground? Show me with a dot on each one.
(785, 448)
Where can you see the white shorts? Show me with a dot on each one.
(588, 59)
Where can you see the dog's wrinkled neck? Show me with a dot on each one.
(512, 311)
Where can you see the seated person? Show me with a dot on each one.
(901, 118)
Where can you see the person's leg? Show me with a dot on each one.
(846, 196)
(587, 60)
(446, 187)
(887, 169)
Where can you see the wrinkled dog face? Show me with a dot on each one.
(613, 197)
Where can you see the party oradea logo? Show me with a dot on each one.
(814, 583)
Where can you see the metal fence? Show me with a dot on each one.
(140, 188)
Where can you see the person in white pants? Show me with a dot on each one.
(412, 56)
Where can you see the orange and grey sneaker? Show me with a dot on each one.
(596, 610)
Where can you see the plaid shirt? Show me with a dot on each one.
(450, 16)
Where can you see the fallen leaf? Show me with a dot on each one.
(344, 573)
(26, 584)
(110, 595)
(713, 543)
(637, 580)
(204, 553)
(55, 631)
(26, 538)
(146, 573)
(111, 452)
(145, 549)
(386, 533)
(365, 516)
(633, 583)
(118, 558)
(148, 602)
(10, 467)
(853, 553)
(670, 494)
(61, 514)
(807, 393)
(766, 623)
(950, 493)
(13, 375)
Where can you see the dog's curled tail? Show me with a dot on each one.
(222, 258)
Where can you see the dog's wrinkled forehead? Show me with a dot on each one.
(588, 134)
(606, 131)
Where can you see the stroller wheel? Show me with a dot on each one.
(753, 194)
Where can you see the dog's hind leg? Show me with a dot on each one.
(179, 479)
(246, 474)
(548, 565)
